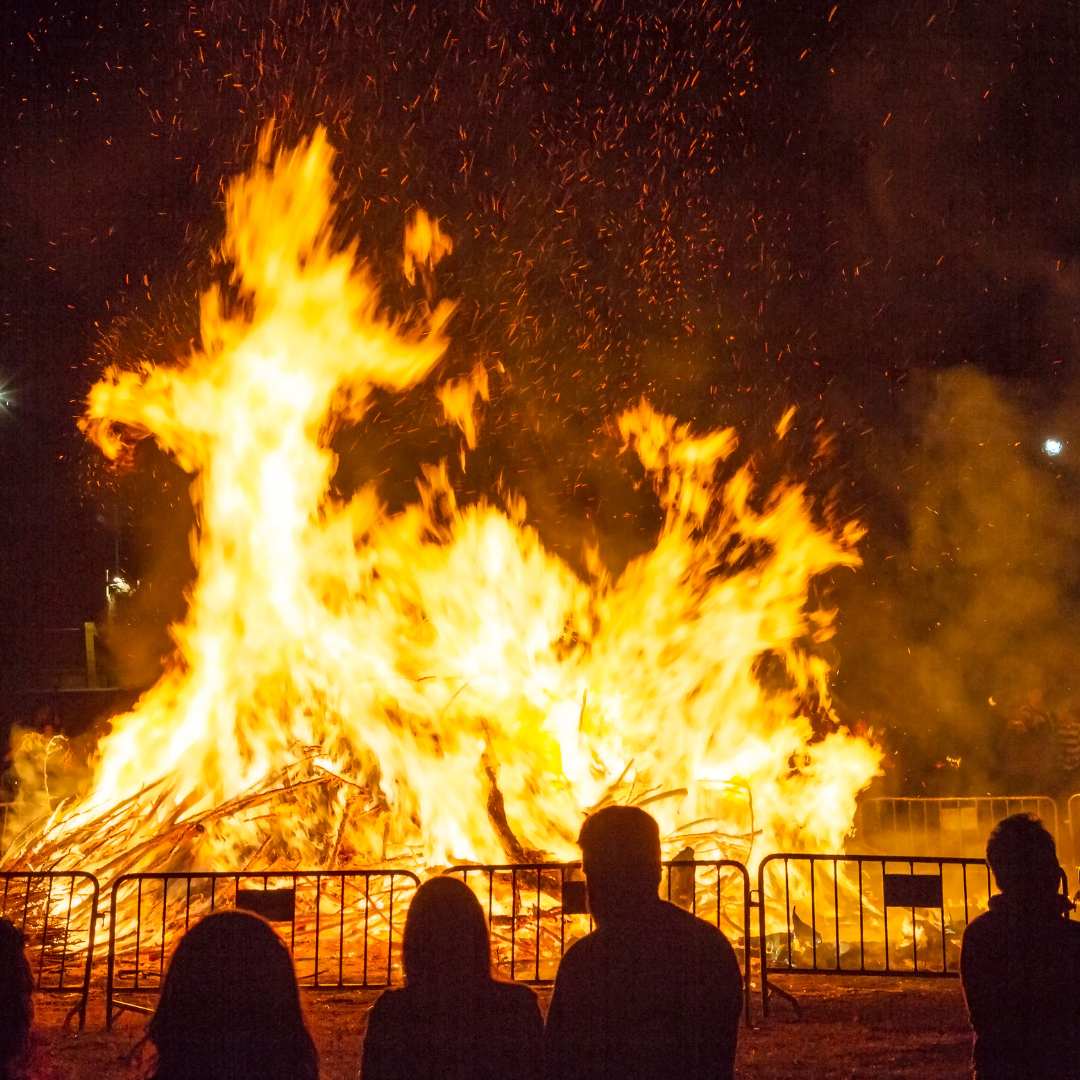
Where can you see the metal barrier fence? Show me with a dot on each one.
(1073, 811)
(56, 911)
(949, 826)
(535, 911)
(343, 927)
(848, 899)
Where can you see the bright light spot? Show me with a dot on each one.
(117, 585)
(1052, 447)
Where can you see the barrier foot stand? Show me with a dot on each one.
(79, 1010)
(790, 998)
(117, 1007)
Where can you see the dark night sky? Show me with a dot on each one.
(868, 209)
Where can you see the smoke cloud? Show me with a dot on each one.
(969, 616)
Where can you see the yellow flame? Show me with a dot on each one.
(458, 398)
(425, 245)
(434, 683)
(783, 425)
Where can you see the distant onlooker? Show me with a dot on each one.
(230, 1007)
(16, 1004)
(1020, 962)
(452, 1020)
(653, 993)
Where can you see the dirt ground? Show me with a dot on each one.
(847, 1028)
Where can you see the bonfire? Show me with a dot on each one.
(354, 686)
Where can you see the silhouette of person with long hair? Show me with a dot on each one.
(230, 1007)
(652, 993)
(1020, 962)
(16, 1002)
(451, 1020)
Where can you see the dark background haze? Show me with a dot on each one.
(869, 210)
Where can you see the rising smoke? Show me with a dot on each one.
(967, 618)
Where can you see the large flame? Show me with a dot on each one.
(352, 685)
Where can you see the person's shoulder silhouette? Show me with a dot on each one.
(451, 1020)
(1020, 962)
(653, 992)
(230, 1008)
(16, 1001)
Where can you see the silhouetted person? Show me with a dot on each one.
(230, 1007)
(451, 1020)
(16, 1003)
(653, 992)
(1020, 962)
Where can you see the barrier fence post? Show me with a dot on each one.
(90, 642)
(88, 968)
(763, 960)
(1072, 809)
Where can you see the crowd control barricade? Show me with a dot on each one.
(536, 911)
(343, 927)
(56, 911)
(1073, 811)
(897, 915)
(955, 826)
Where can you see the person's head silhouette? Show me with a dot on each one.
(1022, 855)
(620, 848)
(446, 935)
(230, 1007)
(16, 1005)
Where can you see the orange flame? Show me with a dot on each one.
(450, 689)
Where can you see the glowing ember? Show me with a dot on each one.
(352, 686)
